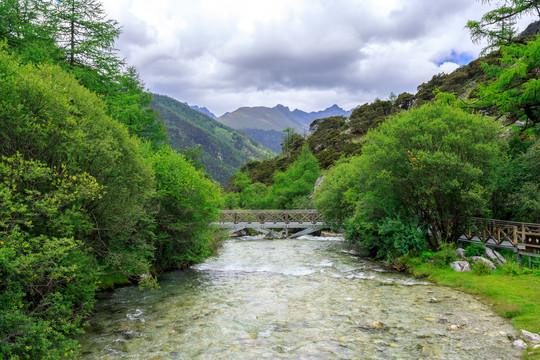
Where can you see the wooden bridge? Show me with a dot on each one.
(266, 220)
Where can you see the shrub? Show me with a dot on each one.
(388, 239)
(48, 277)
(185, 203)
(480, 268)
(475, 249)
(445, 255)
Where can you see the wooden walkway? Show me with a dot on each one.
(523, 238)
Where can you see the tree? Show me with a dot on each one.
(184, 204)
(28, 26)
(430, 167)
(128, 102)
(287, 139)
(86, 36)
(291, 189)
(514, 87)
(498, 26)
(48, 116)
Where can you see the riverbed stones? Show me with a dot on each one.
(461, 266)
(519, 344)
(489, 263)
(530, 337)
(495, 256)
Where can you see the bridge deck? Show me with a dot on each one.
(263, 220)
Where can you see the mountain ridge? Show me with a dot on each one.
(224, 149)
(266, 124)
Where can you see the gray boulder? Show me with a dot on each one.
(495, 256)
(490, 264)
(530, 337)
(461, 253)
(519, 344)
(461, 266)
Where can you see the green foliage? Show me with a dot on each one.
(185, 204)
(49, 117)
(475, 249)
(513, 269)
(368, 116)
(86, 36)
(515, 88)
(335, 198)
(128, 102)
(498, 26)
(389, 239)
(516, 194)
(445, 255)
(432, 164)
(480, 268)
(48, 277)
(292, 188)
(246, 195)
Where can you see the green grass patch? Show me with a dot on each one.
(516, 297)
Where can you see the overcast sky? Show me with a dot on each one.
(305, 54)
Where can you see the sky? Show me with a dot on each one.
(304, 54)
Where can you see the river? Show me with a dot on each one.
(309, 298)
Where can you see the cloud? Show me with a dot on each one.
(224, 54)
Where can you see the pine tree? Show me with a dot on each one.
(87, 36)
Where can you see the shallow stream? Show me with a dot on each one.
(308, 298)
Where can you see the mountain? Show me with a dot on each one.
(266, 124)
(203, 109)
(307, 118)
(224, 149)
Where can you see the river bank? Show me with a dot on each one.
(513, 296)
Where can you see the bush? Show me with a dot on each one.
(445, 255)
(480, 268)
(388, 239)
(48, 277)
(513, 269)
(475, 249)
(184, 205)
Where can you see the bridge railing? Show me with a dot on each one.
(270, 216)
(523, 236)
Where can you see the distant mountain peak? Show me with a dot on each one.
(203, 110)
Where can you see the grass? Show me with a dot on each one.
(513, 296)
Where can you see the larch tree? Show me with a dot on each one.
(87, 36)
(497, 26)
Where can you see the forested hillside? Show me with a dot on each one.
(222, 150)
